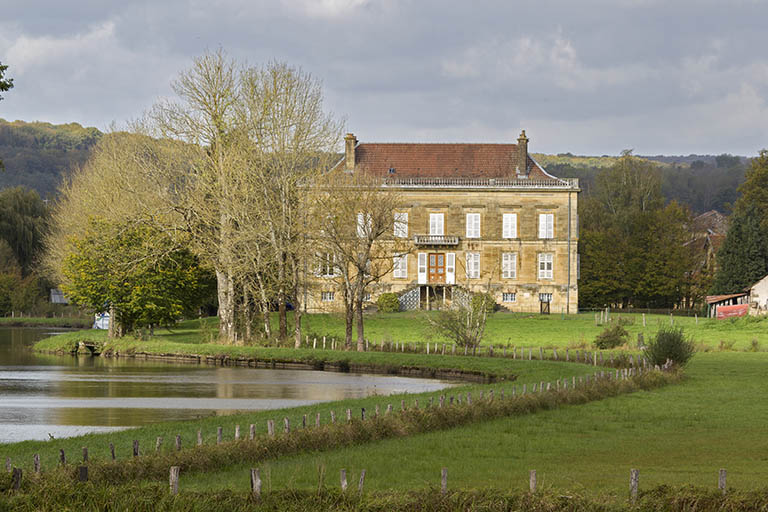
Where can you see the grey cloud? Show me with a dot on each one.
(587, 77)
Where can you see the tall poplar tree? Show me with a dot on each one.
(743, 258)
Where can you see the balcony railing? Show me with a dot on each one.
(436, 240)
(555, 183)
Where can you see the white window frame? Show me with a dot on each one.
(472, 260)
(401, 225)
(450, 268)
(509, 297)
(421, 263)
(546, 225)
(545, 297)
(509, 265)
(436, 224)
(327, 296)
(400, 267)
(473, 225)
(509, 225)
(546, 263)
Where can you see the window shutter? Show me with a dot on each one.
(473, 225)
(450, 268)
(422, 268)
(542, 225)
(550, 225)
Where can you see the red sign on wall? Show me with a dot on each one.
(731, 311)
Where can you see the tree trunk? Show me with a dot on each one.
(265, 315)
(112, 322)
(226, 294)
(360, 326)
(282, 316)
(349, 320)
(296, 317)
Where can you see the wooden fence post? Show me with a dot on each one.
(256, 483)
(532, 480)
(82, 473)
(634, 481)
(251, 431)
(271, 428)
(8, 467)
(343, 480)
(219, 435)
(721, 481)
(444, 481)
(317, 420)
(349, 415)
(362, 413)
(287, 424)
(62, 458)
(135, 447)
(85, 454)
(199, 438)
(361, 483)
(178, 442)
(237, 432)
(36, 462)
(158, 443)
(16, 479)
(173, 480)
(112, 450)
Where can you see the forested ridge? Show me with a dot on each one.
(37, 155)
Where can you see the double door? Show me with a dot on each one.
(436, 267)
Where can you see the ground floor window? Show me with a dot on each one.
(367, 297)
(508, 297)
(545, 265)
(545, 297)
(327, 296)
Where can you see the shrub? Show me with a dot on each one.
(483, 300)
(670, 343)
(388, 303)
(611, 337)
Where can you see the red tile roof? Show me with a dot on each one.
(443, 160)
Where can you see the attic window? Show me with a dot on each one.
(391, 170)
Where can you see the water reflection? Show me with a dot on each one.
(63, 395)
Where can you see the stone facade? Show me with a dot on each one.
(476, 222)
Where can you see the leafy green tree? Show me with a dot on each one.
(109, 269)
(23, 223)
(631, 245)
(6, 84)
(743, 258)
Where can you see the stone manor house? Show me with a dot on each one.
(479, 218)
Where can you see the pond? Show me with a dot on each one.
(42, 395)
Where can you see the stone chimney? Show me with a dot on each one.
(522, 155)
(349, 152)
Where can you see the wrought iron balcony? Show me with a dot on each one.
(436, 240)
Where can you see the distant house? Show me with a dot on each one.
(758, 297)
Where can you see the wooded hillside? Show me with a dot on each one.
(37, 155)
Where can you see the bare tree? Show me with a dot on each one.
(356, 219)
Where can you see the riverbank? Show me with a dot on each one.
(61, 322)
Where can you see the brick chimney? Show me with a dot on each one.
(349, 152)
(522, 155)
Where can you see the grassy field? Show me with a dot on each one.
(675, 435)
(512, 329)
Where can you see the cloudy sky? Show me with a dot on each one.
(586, 76)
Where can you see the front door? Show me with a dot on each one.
(436, 268)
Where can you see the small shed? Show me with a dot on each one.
(725, 304)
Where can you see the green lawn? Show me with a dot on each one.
(676, 435)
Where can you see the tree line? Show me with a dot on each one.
(223, 190)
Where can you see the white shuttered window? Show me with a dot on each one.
(401, 225)
(509, 265)
(473, 265)
(473, 225)
(546, 225)
(545, 265)
(509, 225)
(436, 224)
